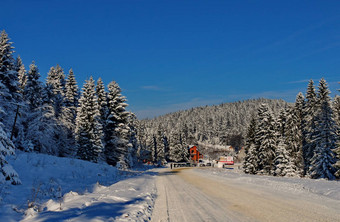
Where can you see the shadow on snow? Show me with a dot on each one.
(101, 211)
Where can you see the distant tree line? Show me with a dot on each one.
(303, 140)
(167, 137)
(57, 118)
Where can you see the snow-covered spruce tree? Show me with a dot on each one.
(56, 78)
(8, 73)
(309, 125)
(265, 140)
(6, 149)
(142, 136)
(178, 151)
(32, 95)
(89, 132)
(68, 115)
(72, 91)
(133, 140)
(56, 82)
(102, 101)
(336, 110)
(22, 76)
(33, 89)
(70, 101)
(283, 164)
(116, 128)
(337, 164)
(40, 125)
(250, 160)
(325, 138)
(9, 80)
(282, 122)
(294, 135)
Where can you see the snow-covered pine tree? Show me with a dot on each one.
(336, 110)
(178, 151)
(294, 134)
(283, 164)
(56, 78)
(56, 82)
(337, 163)
(142, 136)
(9, 81)
(133, 140)
(102, 101)
(32, 95)
(89, 132)
(8, 73)
(40, 125)
(22, 76)
(6, 149)
(309, 125)
(116, 130)
(250, 160)
(71, 100)
(68, 115)
(282, 122)
(265, 140)
(33, 89)
(325, 138)
(72, 91)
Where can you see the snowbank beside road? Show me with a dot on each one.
(69, 189)
(325, 188)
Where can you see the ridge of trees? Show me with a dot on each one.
(302, 141)
(167, 137)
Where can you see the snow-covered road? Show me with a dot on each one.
(195, 195)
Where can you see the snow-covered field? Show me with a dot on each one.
(57, 189)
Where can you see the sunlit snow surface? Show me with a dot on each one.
(58, 189)
(321, 187)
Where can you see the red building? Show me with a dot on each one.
(195, 155)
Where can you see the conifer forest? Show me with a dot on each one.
(58, 117)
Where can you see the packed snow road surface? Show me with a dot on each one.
(192, 195)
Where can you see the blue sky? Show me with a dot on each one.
(176, 54)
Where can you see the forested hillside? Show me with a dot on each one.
(55, 117)
(224, 124)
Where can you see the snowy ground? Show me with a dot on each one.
(210, 194)
(322, 187)
(57, 189)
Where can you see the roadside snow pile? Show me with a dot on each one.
(69, 189)
(326, 188)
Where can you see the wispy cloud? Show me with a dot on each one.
(299, 81)
(152, 88)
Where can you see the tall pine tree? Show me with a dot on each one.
(325, 138)
(309, 125)
(102, 101)
(116, 130)
(265, 140)
(89, 132)
(250, 160)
